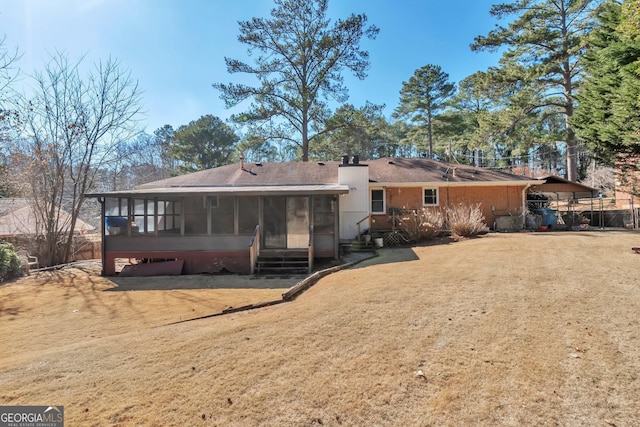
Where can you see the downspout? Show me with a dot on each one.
(524, 205)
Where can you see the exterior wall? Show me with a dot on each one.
(324, 245)
(201, 254)
(151, 244)
(494, 201)
(194, 262)
(354, 206)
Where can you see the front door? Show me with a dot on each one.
(286, 222)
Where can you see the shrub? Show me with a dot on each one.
(10, 265)
(422, 223)
(465, 220)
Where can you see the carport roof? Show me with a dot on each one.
(557, 185)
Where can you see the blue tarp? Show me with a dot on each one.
(549, 216)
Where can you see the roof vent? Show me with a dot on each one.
(390, 162)
(258, 164)
(356, 160)
(320, 164)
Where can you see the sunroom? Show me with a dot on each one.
(220, 229)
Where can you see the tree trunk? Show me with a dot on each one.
(305, 138)
(572, 152)
(430, 134)
(572, 155)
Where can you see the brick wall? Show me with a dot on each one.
(494, 201)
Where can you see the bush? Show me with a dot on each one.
(10, 265)
(465, 220)
(421, 224)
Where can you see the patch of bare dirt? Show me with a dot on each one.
(508, 329)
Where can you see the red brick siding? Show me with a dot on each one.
(504, 199)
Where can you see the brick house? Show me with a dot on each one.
(226, 218)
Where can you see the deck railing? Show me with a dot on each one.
(254, 248)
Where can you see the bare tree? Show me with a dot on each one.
(8, 73)
(74, 125)
(8, 116)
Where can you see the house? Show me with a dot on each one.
(227, 218)
(416, 183)
(18, 218)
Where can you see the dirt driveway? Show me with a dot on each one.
(507, 329)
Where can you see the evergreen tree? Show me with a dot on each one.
(608, 113)
(301, 58)
(203, 144)
(544, 42)
(422, 98)
(357, 131)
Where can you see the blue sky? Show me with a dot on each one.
(176, 48)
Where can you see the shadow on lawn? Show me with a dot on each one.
(405, 253)
(202, 281)
(238, 281)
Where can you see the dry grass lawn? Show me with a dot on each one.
(507, 329)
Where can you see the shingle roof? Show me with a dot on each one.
(17, 217)
(385, 170)
(8, 205)
(255, 174)
(418, 170)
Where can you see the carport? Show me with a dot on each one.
(574, 204)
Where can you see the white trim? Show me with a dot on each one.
(384, 201)
(437, 203)
(254, 190)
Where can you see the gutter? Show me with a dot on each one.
(434, 184)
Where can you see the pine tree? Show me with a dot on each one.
(544, 42)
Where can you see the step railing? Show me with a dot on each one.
(366, 218)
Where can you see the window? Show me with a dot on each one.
(430, 197)
(377, 201)
(169, 216)
(139, 216)
(116, 215)
(143, 211)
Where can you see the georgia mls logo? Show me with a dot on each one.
(31, 416)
